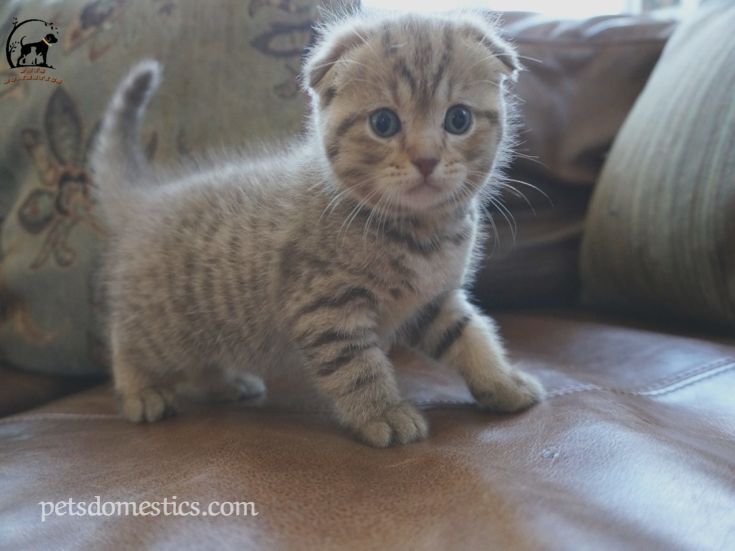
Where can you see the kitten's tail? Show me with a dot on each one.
(117, 160)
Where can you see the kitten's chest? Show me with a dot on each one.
(423, 278)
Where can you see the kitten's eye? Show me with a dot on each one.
(457, 119)
(385, 123)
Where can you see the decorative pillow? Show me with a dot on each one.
(660, 230)
(229, 78)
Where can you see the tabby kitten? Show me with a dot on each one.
(322, 256)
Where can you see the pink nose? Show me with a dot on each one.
(425, 166)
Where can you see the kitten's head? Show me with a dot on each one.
(410, 108)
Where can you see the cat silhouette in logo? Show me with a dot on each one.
(41, 51)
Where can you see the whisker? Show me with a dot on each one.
(507, 215)
(375, 209)
(352, 79)
(496, 234)
(518, 193)
(502, 180)
(521, 182)
(357, 205)
(483, 82)
(364, 41)
(356, 211)
(519, 56)
(341, 60)
(335, 200)
(384, 218)
(334, 203)
(383, 214)
(484, 59)
(532, 158)
(341, 193)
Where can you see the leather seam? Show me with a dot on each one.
(714, 367)
(687, 382)
(662, 386)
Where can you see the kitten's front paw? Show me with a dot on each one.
(515, 391)
(147, 405)
(400, 424)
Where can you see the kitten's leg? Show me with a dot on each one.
(455, 332)
(217, 385)
(348, 366)
(145, 392)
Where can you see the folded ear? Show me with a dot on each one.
(332, 45)
(485, 32)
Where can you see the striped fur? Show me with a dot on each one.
(317, 257)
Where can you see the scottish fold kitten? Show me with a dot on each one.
(321, 256)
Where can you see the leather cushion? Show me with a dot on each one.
(634, 448)
(581, 78)
(22, 390)
(659, 232)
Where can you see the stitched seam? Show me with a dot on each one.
(685, 384)
(684, 375)
(661, 385)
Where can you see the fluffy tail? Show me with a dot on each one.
(117, 160)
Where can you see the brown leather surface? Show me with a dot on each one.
(634, 448)
(21, 390)
(581, 79)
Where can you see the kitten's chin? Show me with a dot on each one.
(427, 196)
(421, 199)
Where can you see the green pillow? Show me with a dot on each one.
(229, 78)
(660, 232)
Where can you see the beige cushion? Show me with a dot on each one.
(660, 234)
(229, 79)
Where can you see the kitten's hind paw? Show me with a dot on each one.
(515, 391)
(400, 424)
(249, 387)
(148, 404)
(244, 387)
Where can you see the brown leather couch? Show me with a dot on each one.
(634, 447)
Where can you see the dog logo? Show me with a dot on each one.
(29, 43)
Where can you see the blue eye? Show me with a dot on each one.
(385, 123)
(458, 119)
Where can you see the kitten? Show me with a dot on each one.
(324, 255)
